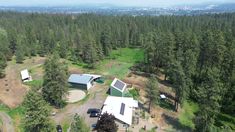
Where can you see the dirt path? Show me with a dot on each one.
(7, 122)
(12, 90)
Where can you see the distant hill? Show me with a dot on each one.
(107, 9)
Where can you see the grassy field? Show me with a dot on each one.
(37, 84)
(117, 64)
(128, 55)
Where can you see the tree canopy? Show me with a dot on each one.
(78, 125)
(37, 113)
(195, 53)
(55, 81)
(106, 123)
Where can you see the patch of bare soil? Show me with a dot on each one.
(12, 90)
(136, 80)
(75, 70)
(160, 115)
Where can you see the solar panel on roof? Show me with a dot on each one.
(119, 85)
(122, 109)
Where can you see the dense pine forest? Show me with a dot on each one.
(195, 53)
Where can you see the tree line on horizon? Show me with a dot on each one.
(195, 53)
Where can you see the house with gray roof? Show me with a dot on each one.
(82, 81)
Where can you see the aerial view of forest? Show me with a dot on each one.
(81, 72)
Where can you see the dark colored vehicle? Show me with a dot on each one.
(93, 126)
(95, 114)
(59, 128)
(93, 110)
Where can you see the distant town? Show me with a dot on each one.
(106, 9)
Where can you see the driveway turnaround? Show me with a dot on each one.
(75, 96)
(96, 100)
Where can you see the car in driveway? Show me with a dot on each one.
(93, 126)
(93, 110)
(94, 114)
(58, 128)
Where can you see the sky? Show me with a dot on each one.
(152, 3)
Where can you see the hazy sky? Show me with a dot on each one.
(157, 3)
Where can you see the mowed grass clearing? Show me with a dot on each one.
(115, 65)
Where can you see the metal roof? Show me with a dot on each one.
(24, 74)
(80, 78)
(120, 107)
(118, 84)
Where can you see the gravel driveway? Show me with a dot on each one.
(96, 100)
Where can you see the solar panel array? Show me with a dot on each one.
(119, 85)
(122, 109)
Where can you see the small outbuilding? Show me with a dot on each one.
(163, 96)
(117, 88)
(83, 81)
(25, 77)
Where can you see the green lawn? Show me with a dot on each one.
(188, 114)
(117, 64)
(128, 55)
(37, 84)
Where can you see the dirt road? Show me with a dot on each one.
(7, 122)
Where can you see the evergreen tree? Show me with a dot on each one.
(37, 113)
(105, 42)
(89, 54)
(19, 55)
(20, 50)
(167, 55)
(78, 125)
(152, 91)
(55, 81)
(177, 77)
(4, 44)
(106, 123)
(150, 51)
(4, 51)
(3, 64)
(209, 96)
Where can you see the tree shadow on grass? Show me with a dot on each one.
(176, 124)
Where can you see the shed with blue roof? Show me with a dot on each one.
(83, 81)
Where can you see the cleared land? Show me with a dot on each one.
(12, 90)
(75, 96)
(117, 65)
